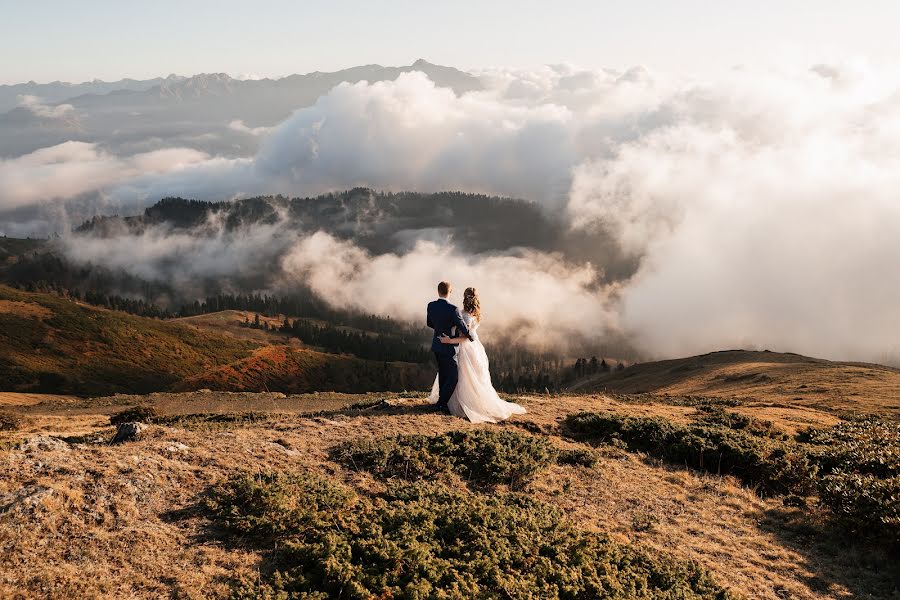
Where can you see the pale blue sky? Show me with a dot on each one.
(70, 40)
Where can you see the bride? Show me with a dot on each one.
(474, 398)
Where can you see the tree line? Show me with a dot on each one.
(342, 340)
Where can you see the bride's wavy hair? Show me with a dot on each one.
(471, 303)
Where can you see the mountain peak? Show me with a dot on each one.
(203, 84)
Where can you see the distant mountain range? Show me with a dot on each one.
(178, 110)
(60, 91)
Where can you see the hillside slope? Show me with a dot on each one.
(52, 344)
(295, 370)
(764, 376)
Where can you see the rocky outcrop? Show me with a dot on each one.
(128, 432)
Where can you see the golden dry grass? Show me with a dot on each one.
(95, 521)
(763, 377)
(24, 309)
(12, 399)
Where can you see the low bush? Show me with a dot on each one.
(482, 456)
(409, 457)
(860, 465)
(867, 446)
(10, 421)
(867, 504)
(218, 421)
(277, 504)
(717, 416)
(854, 466)
(135, 414)
(426, 540)
(774, 466)
(579, 457)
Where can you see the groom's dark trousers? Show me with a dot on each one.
(448, 377)
(443, 317)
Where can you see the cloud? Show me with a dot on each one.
(71, 169)
(410, 135)
(239, 126)
(47, 111)
(535, 297)
(765, 214)
(187, 259)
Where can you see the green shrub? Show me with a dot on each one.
(775, 466)
(644, 521)
(10, 421)
(867, 504)
(408, 457)
(482, 456)
(277, 504)
(716, 416)
(860, 464)
(135, 414)
(217, 421)
(579, 457)
(870, 446)
(429, 541)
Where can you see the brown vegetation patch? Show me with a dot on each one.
(297, 370)
(24, 309)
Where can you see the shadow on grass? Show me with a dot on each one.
(210, 531)
(838, 561)
(380, 408)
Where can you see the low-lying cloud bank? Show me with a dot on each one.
(72, 169)
(763, 206)
(537, 298)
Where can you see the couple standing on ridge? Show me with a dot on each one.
(463, 385)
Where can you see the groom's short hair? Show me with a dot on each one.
(444, 288)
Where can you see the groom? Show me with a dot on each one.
(443, 317)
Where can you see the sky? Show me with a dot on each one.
(78, 41)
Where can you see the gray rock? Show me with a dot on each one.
(44, 443)
(283, 448)
(128, 432)
(28, 497)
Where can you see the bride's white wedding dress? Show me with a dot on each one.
(475, 398)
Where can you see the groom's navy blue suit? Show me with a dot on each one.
(443, 317)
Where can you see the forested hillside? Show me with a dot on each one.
(53, 344)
